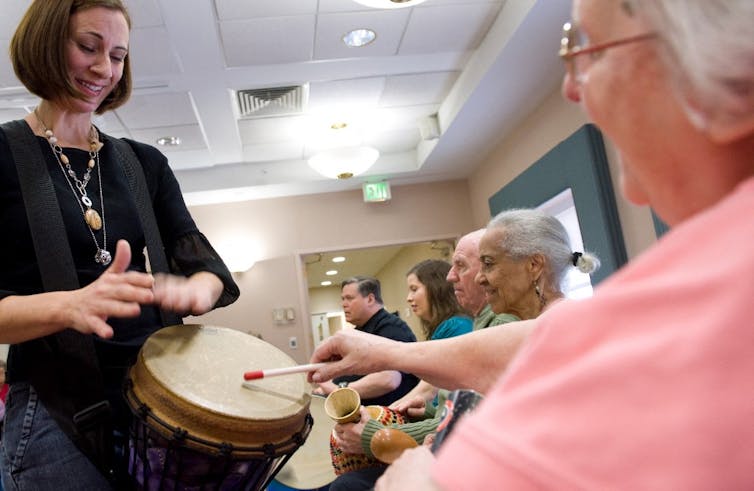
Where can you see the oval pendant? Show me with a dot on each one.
(93, 219)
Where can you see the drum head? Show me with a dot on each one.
(311, 467)
(191, 377)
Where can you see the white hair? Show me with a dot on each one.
(529, 232)
(709, 49)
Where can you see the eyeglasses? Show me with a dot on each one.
(575, 43)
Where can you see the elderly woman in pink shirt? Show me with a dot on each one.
(648, 384)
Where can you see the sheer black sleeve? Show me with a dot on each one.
(188, 251)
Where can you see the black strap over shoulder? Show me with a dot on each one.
(137, 184)
(65, 361)
(63, 367)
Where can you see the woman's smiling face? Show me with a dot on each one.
(95, 54)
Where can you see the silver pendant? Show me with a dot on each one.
(102, 257)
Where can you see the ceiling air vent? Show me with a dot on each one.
(275, 101)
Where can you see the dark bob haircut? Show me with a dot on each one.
(37, 50)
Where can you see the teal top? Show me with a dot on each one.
(453, 326)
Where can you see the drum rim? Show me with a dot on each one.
(144, 389)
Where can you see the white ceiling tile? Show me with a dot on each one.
(109, 123)
(144, 13)
(152, 53)
(420, 88)
(11, 114)
(402, 118)
(268, 41)
(7, 76)
(271, 152)
(12, 11)
(341, 6)
(191, 137)
(157, 110)
(387, 24)
(246, 9)
(437, 29)
(395, 141)
(271, 130)
(348, 95)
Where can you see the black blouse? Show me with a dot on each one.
(187, 250)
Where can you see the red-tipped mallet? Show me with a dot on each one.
(274, 372)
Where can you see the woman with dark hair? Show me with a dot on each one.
(77, 294)
(431, 298)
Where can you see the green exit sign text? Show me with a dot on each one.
(376, 191)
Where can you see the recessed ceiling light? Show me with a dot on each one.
(169, 141)
(332, 272)
(326, 283)
(359, 37)
(338, 126)
(390, 4)
(338, 259)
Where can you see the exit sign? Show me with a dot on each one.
(376, 191)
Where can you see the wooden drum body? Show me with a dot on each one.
(197, 423)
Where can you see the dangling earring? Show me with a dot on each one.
(539, 295)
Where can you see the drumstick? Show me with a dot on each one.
(274, 372)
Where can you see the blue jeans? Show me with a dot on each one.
(35, 454)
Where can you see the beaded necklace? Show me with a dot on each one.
(92, 218)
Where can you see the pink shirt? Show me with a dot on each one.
(649, 385)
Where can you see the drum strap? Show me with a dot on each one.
(66, 361)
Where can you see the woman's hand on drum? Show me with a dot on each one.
(348, 435)
(194, 295)
(414, 407)
(410, 471)
(351, 352)
(116, 293)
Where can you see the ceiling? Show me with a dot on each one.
(360, 262)
(440, 84)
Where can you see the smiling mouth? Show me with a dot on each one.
(91, 87)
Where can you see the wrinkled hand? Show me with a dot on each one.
(195, 295)
(355, 352)
(410, 471)
(414, 407)
(348, 435)
(116, 293)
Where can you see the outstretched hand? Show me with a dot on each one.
(116, 293)
(195, 295)
(352, 353)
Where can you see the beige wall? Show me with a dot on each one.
(550, 124)
(286, 228)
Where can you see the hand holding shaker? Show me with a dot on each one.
(458, 403)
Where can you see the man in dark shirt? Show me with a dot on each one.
(363, 307)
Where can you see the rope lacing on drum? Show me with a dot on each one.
(269, 450)
(225, 449)
(179, 434)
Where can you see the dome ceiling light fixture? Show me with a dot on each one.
(344, 162)
(358, 38)
(389, 4)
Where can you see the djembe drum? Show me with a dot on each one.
(198, 425)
